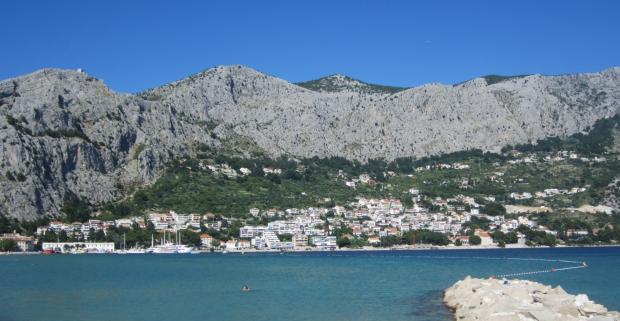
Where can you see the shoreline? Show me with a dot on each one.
(367, 249)
(439, 248)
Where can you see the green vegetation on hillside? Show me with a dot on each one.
(597, 141)
(494, 79)
(7, 245)
(75, 208)
(21, 126)
(329, 84)
(24, 227)
(188, 186)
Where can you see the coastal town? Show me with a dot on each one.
(366, 223)
(417, 219)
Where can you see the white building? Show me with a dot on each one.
(206, 240)
(251, 231)
(324, 242)
(62, 247)
(254, 211)
(271, 239)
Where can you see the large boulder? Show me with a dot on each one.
(490, 299)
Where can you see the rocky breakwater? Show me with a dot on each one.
(492, 299)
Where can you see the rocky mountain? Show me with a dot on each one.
(338, 82)
(65, 133)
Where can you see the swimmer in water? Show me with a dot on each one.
(246, 288)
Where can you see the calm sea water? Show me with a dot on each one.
(309, 286)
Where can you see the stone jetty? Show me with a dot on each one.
(511, 300)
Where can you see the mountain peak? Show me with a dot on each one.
(52, 73)
(344, 83)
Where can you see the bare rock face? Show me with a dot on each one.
(490, 299)
(66, 132)
(344, 119)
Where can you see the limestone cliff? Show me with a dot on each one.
(66, 132)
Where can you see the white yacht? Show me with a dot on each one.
(124, 250)
(135, 250)
(167, 247)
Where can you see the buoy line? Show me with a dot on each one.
(578, 264)
(497, 258)
(583, 265)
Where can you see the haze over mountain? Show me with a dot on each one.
(64, 132)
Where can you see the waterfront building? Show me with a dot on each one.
(464, 239)
(300, 241)
(271, 239)
(324, 242)
(485, 237)
(64, 247)
(231, 245)
(243, 244)
(374, 240)
(24, 243)
(206, 240)
(258, 243)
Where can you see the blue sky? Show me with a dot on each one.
(134, 45)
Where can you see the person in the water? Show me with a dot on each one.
(246, 288)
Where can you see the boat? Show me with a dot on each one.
(133, 250)
(183, 248)
(167, 247)
(124, 250)
(164, 247)
(78, 251)
(136, 250)
(95, 251)
(171, 248)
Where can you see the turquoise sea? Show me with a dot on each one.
(382, 285)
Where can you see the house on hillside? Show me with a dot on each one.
(206, 240)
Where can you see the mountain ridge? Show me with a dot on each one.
(65, 132)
